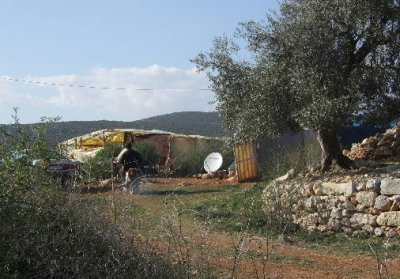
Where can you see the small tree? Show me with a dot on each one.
(319, 64)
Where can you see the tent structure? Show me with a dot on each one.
(169, 146)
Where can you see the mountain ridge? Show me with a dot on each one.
(186, 122)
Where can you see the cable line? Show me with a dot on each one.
(101, 88)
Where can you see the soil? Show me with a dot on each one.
(236, 255)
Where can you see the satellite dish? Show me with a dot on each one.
(213, 162)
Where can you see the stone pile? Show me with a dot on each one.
(364, 205)
(380, 146)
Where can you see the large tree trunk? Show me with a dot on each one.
(331, 150)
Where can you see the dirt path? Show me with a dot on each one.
(249, 256)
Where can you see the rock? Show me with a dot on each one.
(347, 213)
(391, 219)
(368, 228)
(391, 168)
(289, 175)
(317, 189)
(333, 202)
(311, 203)
(346, 222)
(232, 169)
(383, 151)
(311, 219)
(366, 198)
(334, 225)
(391, 233)
(312, 228)
(348, 206)
(321, 207)
(347, 189)
(360, 187)
(322, 228)
(382, 203)
(360, 219)
(347, 230)
(361, 208)
(379, 232)
(336, 213)
(373, 185)
(395, 203)
(390, 186)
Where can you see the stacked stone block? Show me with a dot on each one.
(369, 207)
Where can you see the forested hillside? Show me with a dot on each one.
(188, 123)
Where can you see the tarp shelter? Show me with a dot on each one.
(169, 146)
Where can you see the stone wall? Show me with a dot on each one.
(366, 203)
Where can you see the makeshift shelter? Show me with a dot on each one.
(169, 146)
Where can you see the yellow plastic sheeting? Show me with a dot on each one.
(115, 137)
(83, 155)
(97, 141)
(91, 143)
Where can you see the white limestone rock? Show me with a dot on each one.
(379, 232)
(366, 198)
(336, 213)
(391, 219)
(390, 186)
(373, 185)
(347, 189)
(391, 233)
(382, 203)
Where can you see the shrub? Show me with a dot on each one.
(148, 152)
(283, 158)
(48, 233)
(100, 166)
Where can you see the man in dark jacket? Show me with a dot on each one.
(129, 158)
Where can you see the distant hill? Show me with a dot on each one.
(188, 123)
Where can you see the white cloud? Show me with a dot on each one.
(174, 90)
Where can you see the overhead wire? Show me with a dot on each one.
(100, 87)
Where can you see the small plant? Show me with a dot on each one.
(100, 166)
(306, 154)
(148, 152)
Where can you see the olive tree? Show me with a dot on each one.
(317, 64)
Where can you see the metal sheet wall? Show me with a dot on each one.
(246, 161)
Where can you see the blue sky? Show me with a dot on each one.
(131, 44)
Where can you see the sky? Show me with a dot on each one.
(116, 47)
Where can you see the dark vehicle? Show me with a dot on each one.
(68, 170)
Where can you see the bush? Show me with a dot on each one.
(148, 152)
(283, 158)
(100, 166)
(48, 233)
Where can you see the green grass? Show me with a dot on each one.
(342, 244)
(234, 209)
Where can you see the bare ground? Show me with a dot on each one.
(238, 255)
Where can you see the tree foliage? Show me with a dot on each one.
(318, 64)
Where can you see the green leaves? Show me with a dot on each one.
(317, 64)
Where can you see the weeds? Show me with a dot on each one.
(47, 232)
